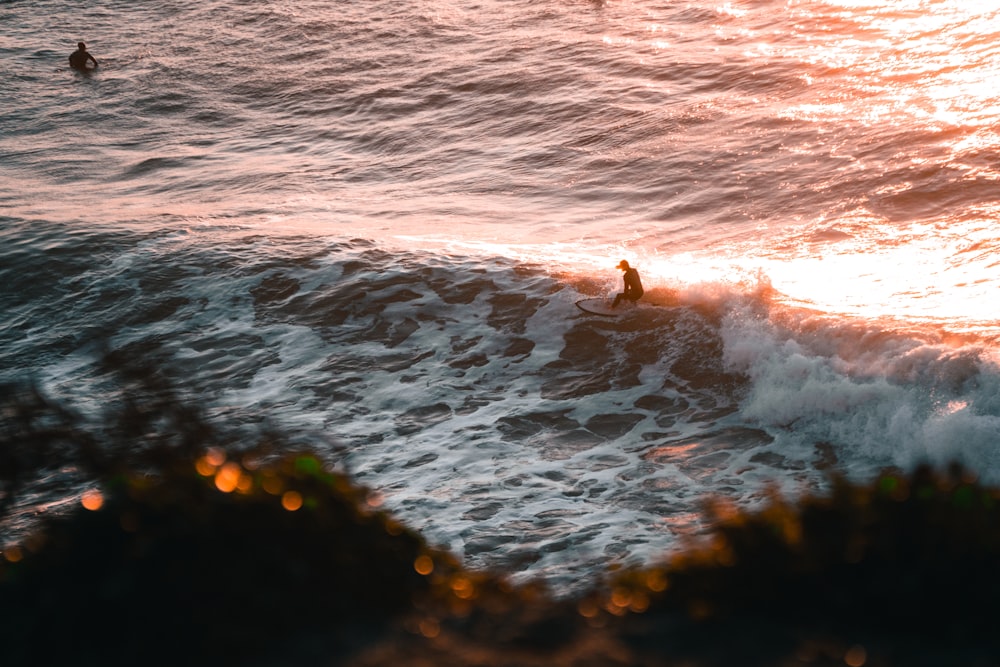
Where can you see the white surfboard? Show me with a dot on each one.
(602, 307)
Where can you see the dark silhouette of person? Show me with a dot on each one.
(633, 286)
(78, 59)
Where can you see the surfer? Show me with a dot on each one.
(633, 286)
(78, 59)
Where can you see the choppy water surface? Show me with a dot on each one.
(368, 224)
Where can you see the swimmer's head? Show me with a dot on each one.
(81, 46)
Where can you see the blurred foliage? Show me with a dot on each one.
(902, 565)
(190, 545)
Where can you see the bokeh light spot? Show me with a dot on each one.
(92, 500)
(587, 608)
(639, 602)
(215, 456)
(423, 565)
(856, 656)
(204, 467)
(272, 484)
(430, 628)
(228, 477)
(621, 597)
(291, 500)
(463, 588)
(244, 484)
(656, 581)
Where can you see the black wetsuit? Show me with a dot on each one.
(78, 60)
(633, 287)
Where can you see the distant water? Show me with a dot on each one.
(367, 224)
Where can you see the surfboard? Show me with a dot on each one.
(602, 307)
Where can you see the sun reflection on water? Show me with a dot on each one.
(930, 61)
(879, 75)
(941, 273)
(893, 72)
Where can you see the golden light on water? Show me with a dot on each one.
(904, 94)
(943, 274)
(940, 273)
(892, 62)
(891, 70)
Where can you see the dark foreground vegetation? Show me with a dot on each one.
(192, 547)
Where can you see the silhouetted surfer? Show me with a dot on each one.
(633, 286)
(78, 59)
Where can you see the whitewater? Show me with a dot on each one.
(366, 225)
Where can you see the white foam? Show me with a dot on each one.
(879, 397)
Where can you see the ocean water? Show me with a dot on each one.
(366, 225)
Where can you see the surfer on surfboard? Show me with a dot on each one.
(78, 59)
(633, 286)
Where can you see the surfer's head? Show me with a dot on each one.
(81, 46)
(623, 265)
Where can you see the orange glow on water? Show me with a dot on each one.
(941, 273)
(908, 60)
(890, 69)
(897, 66)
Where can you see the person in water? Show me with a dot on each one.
(633, 286)
(78, 59)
